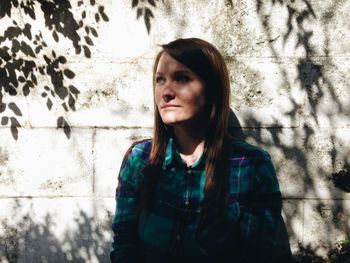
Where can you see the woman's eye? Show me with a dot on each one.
(182, 78)
(159, 80)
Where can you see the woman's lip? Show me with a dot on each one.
(169, 106)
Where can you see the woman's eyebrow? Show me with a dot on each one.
(181, 71)
(176, 72)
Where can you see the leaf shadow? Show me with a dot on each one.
(22, 47)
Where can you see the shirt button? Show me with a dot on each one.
(178, 237)
(189, 171)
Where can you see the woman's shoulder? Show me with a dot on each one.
(135, 160)
(139, 150)
(243, 148)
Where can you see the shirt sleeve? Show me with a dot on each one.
(264, 237)
(124, 224)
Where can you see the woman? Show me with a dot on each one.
(193, 192)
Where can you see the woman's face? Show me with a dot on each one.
(179, 93)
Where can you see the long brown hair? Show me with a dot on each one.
(208, 64)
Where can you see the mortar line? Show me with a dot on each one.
(93, 162)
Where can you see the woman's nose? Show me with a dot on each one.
(168, 94)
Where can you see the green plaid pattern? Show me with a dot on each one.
(168, 230)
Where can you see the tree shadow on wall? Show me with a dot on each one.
(26, 240)
(145, 9)
(25, 56)
(315, 83)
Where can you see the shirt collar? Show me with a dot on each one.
(173, 155)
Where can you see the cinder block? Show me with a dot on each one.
(110, 147)
(262, 96)
(43, 162)
(305, 159)
(293, 214)
(55, 230)
(325, 223)
(326, 88)
(111, 94)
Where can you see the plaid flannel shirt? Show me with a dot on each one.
(248, 233)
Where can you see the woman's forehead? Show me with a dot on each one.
(168, 64)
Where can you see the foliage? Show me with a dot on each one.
(341, 253)
(25, 56)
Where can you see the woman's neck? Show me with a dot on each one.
(191, 144)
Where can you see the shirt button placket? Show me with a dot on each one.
(187, 201)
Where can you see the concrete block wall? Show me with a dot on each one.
(75, 91)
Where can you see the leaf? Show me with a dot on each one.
(47, 59)
(71, 102)
(87, 51)
(53, 53)
(47, 88)
(27, 30)
(105, 17)
(94, 32)
(92, 2)
(55, 36)
(73, 90)
(4, 120)
(134, 3)
(21, 79)
(11, 90)
(26, 90)
(87, 29)
(30, 84)
(77, 49)
(12, 32)
(66, 129)
(4, 54)
(15, 109)
(64, 105)
(62, 60)
(101, 9)
(15, 46)
(41, 70)
(69, 74)
(83, 14)
(44, 94)
(60, 121)
(152, 2)
(102, 13)
(97, 17)
(14, 122)
(34, 79)
(148, 15)
(14, 125)
(26, 49)
(88, 41)
(139, 13)
(2, 107)
(62, 92)
(37, 49)
(29, 11)
(49, 103)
